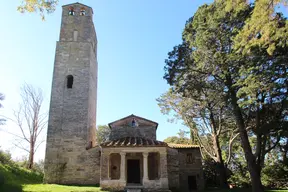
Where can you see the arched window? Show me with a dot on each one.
(69, 81)
(71, 11)
(82, 12)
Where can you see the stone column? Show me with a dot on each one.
(163, 170)
(145, 166)
(122, 169)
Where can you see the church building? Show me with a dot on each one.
(132, 159)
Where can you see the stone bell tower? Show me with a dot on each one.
(71, 137)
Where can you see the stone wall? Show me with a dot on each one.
(72, 114)
(173, 169)
(127, 131)
(74, 168)
(160, 183)
(190, 164)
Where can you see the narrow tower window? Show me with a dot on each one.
(75, 35)
(69, 81)
(71, 11)
(82, 12)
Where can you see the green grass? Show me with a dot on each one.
(63, 188)
(17, 179)
(12, 177)
(58, 188)
(16, 174)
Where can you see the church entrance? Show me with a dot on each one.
(133, 171)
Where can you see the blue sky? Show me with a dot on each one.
(134, 38)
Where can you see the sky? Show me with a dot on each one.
(134, 38)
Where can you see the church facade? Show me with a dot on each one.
(132, 158)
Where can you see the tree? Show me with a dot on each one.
(180, 139)
(30, 120)
(41, 6)
(2, 97)
(252, 86)
(262, 28)
(209, 123)
(102, 133)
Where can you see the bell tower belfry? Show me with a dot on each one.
(71, 135)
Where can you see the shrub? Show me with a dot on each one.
(11, 187)
(275, 176)
(5, 157)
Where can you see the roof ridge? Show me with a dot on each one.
(132, 115)
(184, 146)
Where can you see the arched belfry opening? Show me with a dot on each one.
(69, 80)
(71, 11)
(82, 11)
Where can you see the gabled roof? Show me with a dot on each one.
(137, 118)
(182, 146)
(77, 3)
(134, 142)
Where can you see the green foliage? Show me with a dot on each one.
(265, 28)
(275, 176)
(41, 6)
(210, 173)
(102, 133)
(5, 157)
(239, 172)
(180, 139)
(37, 166)
(208, 67)
(12, 176)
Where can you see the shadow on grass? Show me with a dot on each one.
(12, 177)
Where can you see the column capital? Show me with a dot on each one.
(145, 154)
(122, 153)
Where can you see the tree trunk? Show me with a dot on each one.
(284, 153)
(31, 156)
(221, 169)
(245, 144)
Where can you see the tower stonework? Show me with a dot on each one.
(71, 155)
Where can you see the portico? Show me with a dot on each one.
(134, 161)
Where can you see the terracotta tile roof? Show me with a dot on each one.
(134, 142)
(181, 146)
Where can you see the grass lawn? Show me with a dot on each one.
(58, 188)
(62, 188)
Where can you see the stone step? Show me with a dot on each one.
(134, 190)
